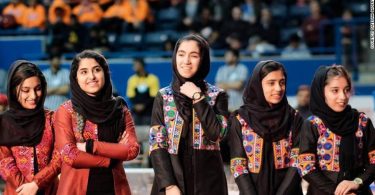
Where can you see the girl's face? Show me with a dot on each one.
(274, 87)
(188, 58)
(90, 76)
(337, 93)
(29, 92)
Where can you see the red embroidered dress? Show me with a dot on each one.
(76, 164)
(17, 163)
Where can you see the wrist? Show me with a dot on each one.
(196, 95)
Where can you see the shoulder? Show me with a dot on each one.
(66, 106)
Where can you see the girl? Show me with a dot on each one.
(337, 151)
(189, 118)
(264, 135)
(95, 131)
(27, 161)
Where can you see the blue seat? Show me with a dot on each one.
(131, 41)
(155, 40)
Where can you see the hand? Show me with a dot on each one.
(345, 187)
(81, 146)
(189, 88)
(172, 190)
(27, 189)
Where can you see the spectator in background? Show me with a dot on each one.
(34, 16)
(303, 101)
(190, 13)
(267, 28)
(136, 13)
(15, 8)
(311, 25)
(250, 11)
(296, 48)
(3, 103)
(88, 13)
(58, 84)
(3, 81)
(141, 89)
(232, 77)
(206, 25)
(112, 21)
(350, 51)
(59, 11)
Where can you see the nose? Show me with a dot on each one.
(92, 75)
(278, 87)
(343, 95)
(187, 60)
(33, 94)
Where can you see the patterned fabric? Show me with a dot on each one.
(238, 166)
(306, 163)
(168, 137)
(284, 156)
(328, 147)
(22, 157)
(70, 151)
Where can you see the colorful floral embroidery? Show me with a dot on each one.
(306, 163)
(328, 145)
(253, 145)
(238, 166)
(174, 123)
(158, 137)
(69, 153)
(294, 157)
(22, 159)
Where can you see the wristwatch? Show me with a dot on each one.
(358, 181)
(197, 95)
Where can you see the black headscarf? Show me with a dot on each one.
(103, 109)
(20, 126)
(184, 103)
(343, 123)
(271, 123)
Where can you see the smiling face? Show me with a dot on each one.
(29, 92)
(188, 58)
(90, 76)
(337, 93)
(274, 87)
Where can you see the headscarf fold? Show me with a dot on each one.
(20, 126)
(270, 123)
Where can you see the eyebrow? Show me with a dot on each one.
(84, 68)
(193, 52)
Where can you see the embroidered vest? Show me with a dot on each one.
(284, 155)
(169, 136)
(328, 148)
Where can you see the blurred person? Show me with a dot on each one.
(59, 11)
(34, 16)
(250, 11)
(112, 22)
(3, 103)
(141, 89)
(337, 143)
(29, 163)
(266, 27)
(351, 52)
(231, 77)
(190, 13)
(296, 49)
(94, 131)
(311, 25)
(58, 83)
(264, 135)
(234, 25)
(206, 25)
(136, 13)
(88, 13)
(303, 101)
(258, 46)
(15, 8)
(189, 119)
